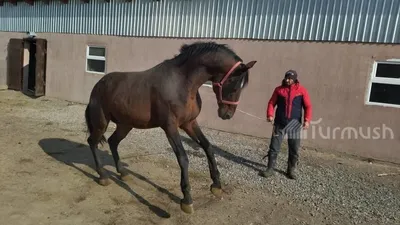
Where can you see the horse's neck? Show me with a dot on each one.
(196, 76)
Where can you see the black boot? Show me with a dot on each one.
(292, 163)
(271, 166)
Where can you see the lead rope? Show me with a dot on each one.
(259, 118)
(249, 114)
(256, 117)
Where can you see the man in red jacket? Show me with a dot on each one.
(290, 98)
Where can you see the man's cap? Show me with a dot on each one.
(291, 74)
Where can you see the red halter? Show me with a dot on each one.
(219, 85)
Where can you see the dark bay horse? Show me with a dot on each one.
(167, 96)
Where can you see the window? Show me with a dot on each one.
(384, 86)
(95, 59)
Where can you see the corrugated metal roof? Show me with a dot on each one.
(312, 20)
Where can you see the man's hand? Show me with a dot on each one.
(270, 118)
(306, 125)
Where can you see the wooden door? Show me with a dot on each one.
(14, 64)
(40, 71)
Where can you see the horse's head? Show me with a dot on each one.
(228, 87)
(222, 66)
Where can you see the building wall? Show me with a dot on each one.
(3, 71)
(311, 20)
(336, 75)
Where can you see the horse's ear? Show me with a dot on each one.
(250, 64)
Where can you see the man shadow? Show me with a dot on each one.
(71, 153)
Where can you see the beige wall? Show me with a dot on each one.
(4, 37)
(336, 76)
(25, 64)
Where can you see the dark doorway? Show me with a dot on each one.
(40, 67)
(32, 65)
(27, 66)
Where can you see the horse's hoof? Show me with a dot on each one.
(125, 177)
(187, 208)
(104, 182)
(217, 192)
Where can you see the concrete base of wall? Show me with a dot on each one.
(3, 87)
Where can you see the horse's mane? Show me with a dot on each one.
(199, 48)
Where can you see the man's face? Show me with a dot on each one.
(289, 81)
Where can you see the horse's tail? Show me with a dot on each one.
(90, 126)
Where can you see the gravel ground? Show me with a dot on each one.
(339, 189)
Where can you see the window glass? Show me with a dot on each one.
(97, 51)
(95, 65)
(385, 93)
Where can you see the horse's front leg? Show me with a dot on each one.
(175, 141)
(195, 133)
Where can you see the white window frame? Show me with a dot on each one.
(381, 80)
(96, 58)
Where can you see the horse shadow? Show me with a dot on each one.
(227, 155)
(71, 153)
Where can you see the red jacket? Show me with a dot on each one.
(290, 100)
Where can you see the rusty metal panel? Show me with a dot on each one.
(14, 64)
(310, 20)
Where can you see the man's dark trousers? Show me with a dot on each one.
(292, 130)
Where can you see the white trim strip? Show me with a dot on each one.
(207, 85)
(389, 61)
(95, 72)
(385, 80)
(96, 57)
(382, 104)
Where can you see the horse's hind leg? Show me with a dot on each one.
(114, 140)
(97, 125)
(93, 141)
(193, 130)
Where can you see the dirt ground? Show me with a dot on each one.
(47, 177)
